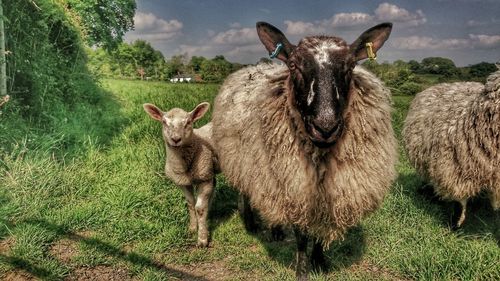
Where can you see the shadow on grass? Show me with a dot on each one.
(224, 205)
(103, 247)
(481, 220)
(341, 254)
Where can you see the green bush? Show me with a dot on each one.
(410, 88)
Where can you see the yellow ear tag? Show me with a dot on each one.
(369, 51)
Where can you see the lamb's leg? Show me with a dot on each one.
(318, 260)
(189, 194)
(301, 270)
(205, 191)
(247, 214)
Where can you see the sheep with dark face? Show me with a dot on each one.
(309, 143)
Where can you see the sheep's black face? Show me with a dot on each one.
(321, 69)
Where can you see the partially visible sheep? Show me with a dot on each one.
(191, 161)
(452, 135)
(310, 143)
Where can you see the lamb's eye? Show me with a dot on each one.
(292, 66)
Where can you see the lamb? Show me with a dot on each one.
(310, 143)
(452, 136)
(191, 161)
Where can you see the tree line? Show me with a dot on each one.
(139, 60)
(409, 78)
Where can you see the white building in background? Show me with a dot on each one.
(181, 79)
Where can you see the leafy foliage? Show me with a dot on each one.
(47, 77)
(104, 21)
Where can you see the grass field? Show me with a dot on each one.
(89, 202)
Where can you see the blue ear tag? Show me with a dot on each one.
(276, 51)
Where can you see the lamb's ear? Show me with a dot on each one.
(153, 111)
(199, 111)
(271, 37)
(377, 35)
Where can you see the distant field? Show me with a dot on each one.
(97, 206)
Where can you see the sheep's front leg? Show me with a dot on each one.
(301, 270)
(203, 199)
(247, 214)
(189, 194)
(318, 260)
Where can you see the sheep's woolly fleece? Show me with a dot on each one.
(265, 153)
(452, 135)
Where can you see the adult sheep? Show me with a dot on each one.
(452, 136)
(310, 143)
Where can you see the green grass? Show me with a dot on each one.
(90, 194)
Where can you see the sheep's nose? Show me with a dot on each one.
(328, 130)
(176, 140)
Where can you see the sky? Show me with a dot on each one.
(466, 31)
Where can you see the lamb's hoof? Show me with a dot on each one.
(277, 233)
(202, 244)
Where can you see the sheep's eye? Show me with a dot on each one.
(292, 66)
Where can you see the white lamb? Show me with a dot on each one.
(191, 161)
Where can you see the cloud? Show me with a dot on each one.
(485, 41)
(348, 19)
(429, 43)
(390, 12)
(149, 27)
(235, 25)
(300, 27)
(384, 12)
(235, 36)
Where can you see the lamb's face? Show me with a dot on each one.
(177, 127)
(177, 123)
(321, 69)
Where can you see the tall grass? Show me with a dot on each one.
(96, 181)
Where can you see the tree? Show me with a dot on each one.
(195, 63)
(439, 65)
(414, 66)
(482, 69)
(104, 21)
(3, 61)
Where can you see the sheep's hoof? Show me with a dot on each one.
(277, 233)
(202, 243)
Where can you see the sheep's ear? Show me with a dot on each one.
(153, 111)
(199, 111)
(376, 35)
(271, 37)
